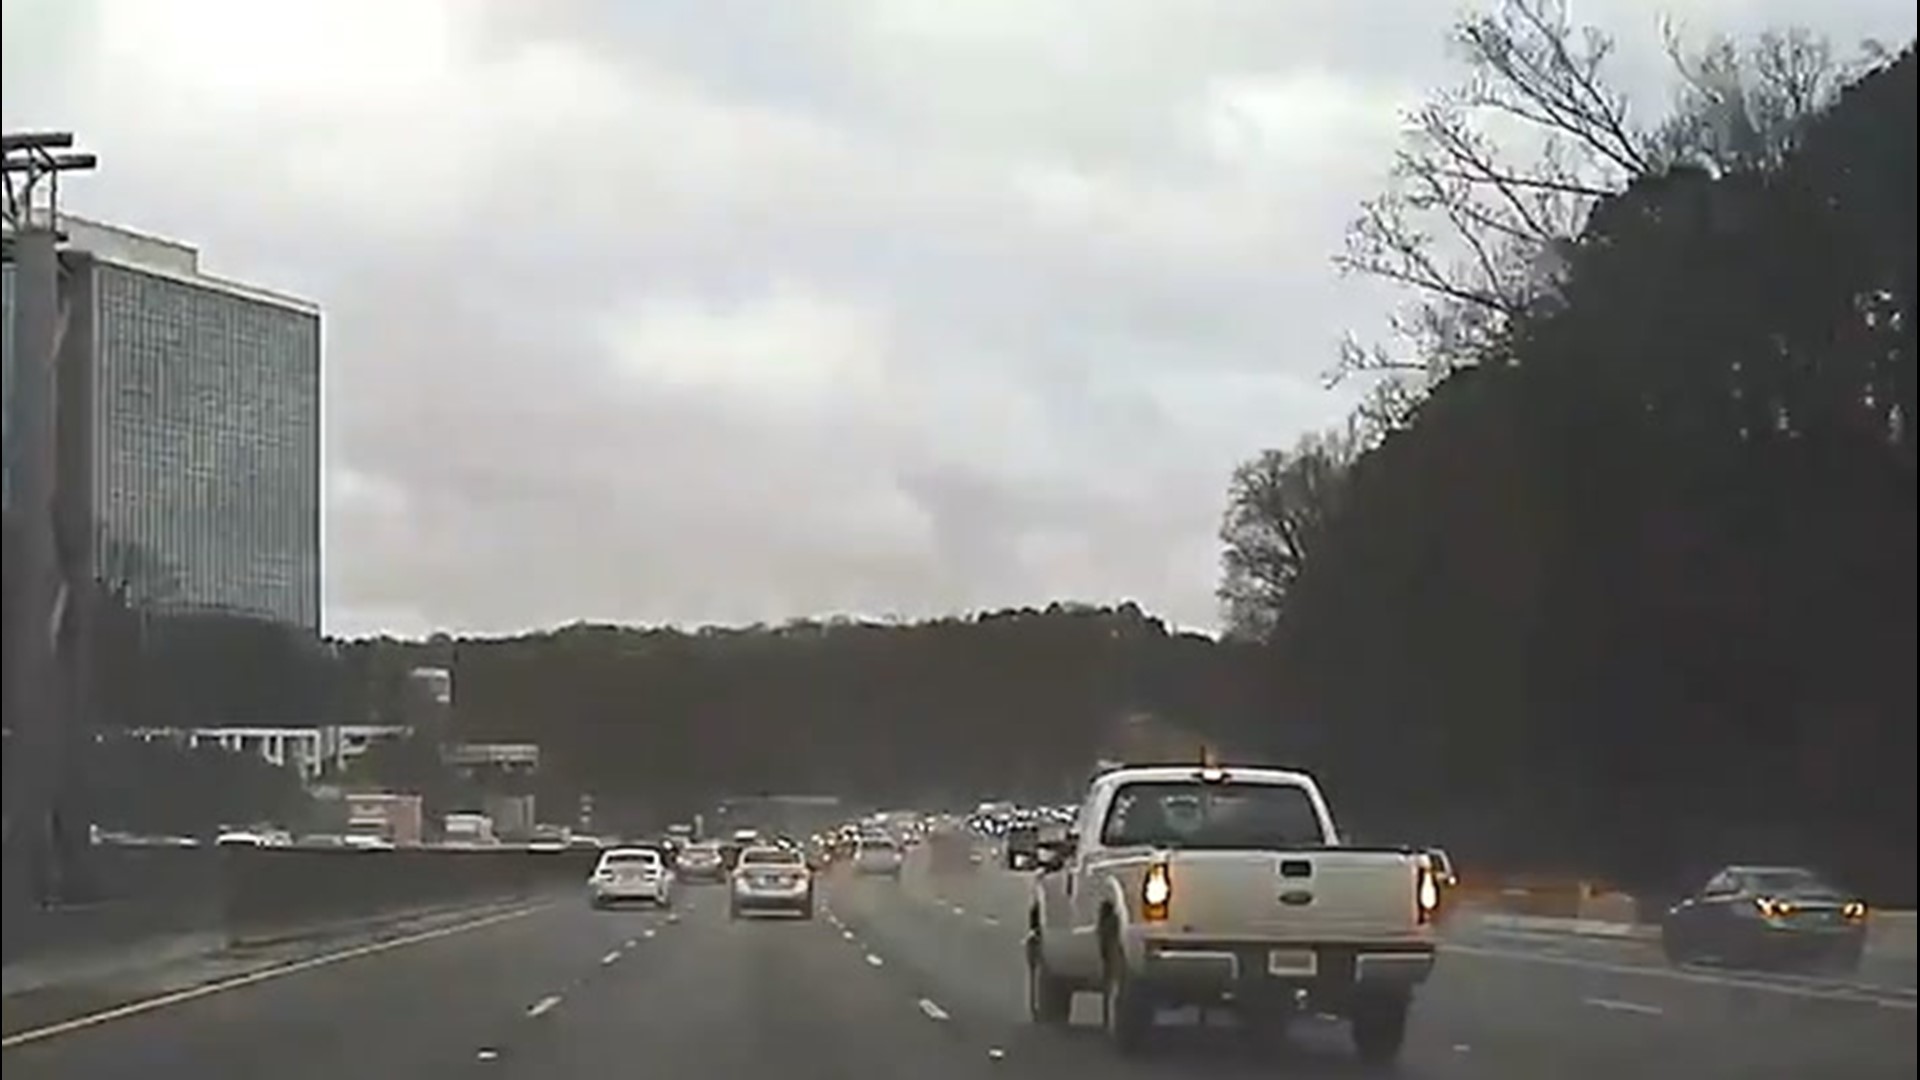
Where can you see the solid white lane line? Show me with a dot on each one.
(1858, 993)
(933, 1010)
(543, 1006)
(177, 997)
(1615, 1005)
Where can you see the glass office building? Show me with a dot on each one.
(206, 429)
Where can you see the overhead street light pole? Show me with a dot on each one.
(38, 594)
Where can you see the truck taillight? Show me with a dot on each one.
(1426, 898)
(1156, 893)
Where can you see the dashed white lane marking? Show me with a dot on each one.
(990, 920)
(486, 1053)
(847, 934)
(631, 942)
(543, 1006)
(648, 932)
(874, 961)
(933, 1009)
(995, 1053)
(1615, 1005)
(610, 958)
(178, 997)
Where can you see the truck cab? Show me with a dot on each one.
(1205, 885)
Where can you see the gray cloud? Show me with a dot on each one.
(737, 310)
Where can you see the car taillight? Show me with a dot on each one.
(1426, 897)
(1156, 893)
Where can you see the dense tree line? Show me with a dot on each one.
(661, 721)
(1629, 580)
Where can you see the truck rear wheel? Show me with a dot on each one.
(1380, 1025)
(1049, 997)
(1126, 1011)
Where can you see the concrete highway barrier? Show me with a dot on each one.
(277, 892)
(146, 905)
(158, 905)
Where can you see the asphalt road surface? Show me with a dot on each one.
(921, 979)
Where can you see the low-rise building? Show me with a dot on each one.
(314, 751)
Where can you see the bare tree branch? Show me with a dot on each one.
(1479, 234)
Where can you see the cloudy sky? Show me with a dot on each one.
(716, 311)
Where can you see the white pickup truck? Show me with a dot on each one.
(1202, 885)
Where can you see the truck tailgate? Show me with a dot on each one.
(1325, 895)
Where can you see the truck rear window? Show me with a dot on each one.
(1191, 814)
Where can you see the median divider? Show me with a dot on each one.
(145, 907)
(157, 907)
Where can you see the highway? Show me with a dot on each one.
(921, 979)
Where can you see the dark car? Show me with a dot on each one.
(703, 863)
(1765, 916)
